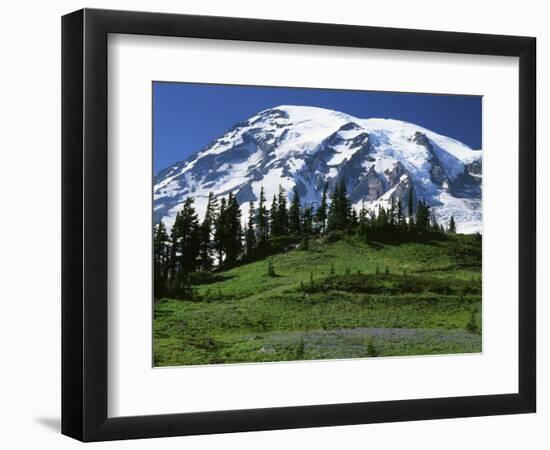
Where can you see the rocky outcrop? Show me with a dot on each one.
(394, 175)
(475, 170)
(370, 186)
(437, 172)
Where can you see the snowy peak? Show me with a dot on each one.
(303, 147)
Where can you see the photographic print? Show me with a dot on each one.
(296, 224)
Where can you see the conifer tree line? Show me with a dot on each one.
(222, 238)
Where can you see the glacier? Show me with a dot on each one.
(304, 146)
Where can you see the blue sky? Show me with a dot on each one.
(187, 116)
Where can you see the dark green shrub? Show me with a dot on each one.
(371, 349)
(304, 245)
(334, 236)
(270, 269)
(300, 350)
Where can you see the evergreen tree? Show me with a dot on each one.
(274, 223)
(353, 219)
(294, 216)
(282, 213)
(173, 263)
(371, 218)
(307, 220)
(189, 236)
(427, 215)
(250, 234)
(185, 242)
(233, 230)
(410, 203)
(422, 215)
(363, 221)
(434, 226)
(205, 233)
(410, 212)
(340, 208)
(392, 213)
(452, 225)
(160, 256)
(262, 219)
(400, 218)
(321, 213)
(220, 232)
(382, 218)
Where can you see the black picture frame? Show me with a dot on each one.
(84, 224)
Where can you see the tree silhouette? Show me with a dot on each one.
(452, 225)
(220, 232)
(274, 223)
(400, 218)
(233, 231)
(410, 211)
(307, 220)
(282, 213)
(410, 203)
(160, 256)
(262, 219)
(294, 216)
(185, 242)
(250, 234)
(321, 213)
(205, 233)
(340, 208)
(422, 215)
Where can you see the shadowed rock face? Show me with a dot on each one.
(353, 168)
(316, 167)
(475, 169)
(270, 114)
(359, 140)
(374, 184)
(438, 175)
(349, 126)
(402, 190)
(437, 172)
(394, 175)
(421, 139)
(245, 194)
(466, 186)
(468, 183)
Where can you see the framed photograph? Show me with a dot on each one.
(274, 225)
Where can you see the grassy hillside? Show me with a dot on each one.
(337, 299)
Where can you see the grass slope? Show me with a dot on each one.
(335, 300)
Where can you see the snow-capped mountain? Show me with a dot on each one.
(305, 146)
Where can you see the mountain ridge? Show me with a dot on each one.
(303, 146)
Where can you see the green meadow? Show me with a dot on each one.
(337, 298)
